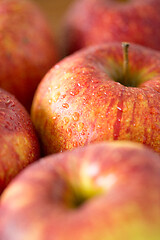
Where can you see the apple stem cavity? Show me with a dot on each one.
(125, 46)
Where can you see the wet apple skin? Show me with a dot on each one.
(19, 143)
(78, 102)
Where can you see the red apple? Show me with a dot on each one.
(89, 22)
(18, 142)
(87, 97)
(101, 191)
(27, 48)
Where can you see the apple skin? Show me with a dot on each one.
(92, 22)
(28, 48)
(78, 102)
(19, 144)
(107, 190)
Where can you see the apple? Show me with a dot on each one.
(19, 144)
(103, 92)
(28, 49)
(107, 190)
(89, 22)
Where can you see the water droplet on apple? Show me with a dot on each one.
(50, 101)
(74, 92)
(66, 120)
(80, 126)
(65, 105)
(75, 116)
(75, 144)
(10, 103)
(120, 109)
(84, 98)
(63, 95)
(95, 81)
(83, 132)
(69, 132)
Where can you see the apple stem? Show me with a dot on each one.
(125, 47)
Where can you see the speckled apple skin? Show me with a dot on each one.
(89, 22)
(19, 145)
(78, 102)
(121, 185)
(27, 48)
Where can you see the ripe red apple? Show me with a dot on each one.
(27, 48)
(92, 96)
(19, 145)
(101, 191)
(92, 22)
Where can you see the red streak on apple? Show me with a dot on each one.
(119, 117)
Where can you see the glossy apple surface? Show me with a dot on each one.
(27, 46)
(101, 191)
(83, 99)
(19, 145)
(92, 22)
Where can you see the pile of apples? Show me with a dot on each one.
(80, 123)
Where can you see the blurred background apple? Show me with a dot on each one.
(89, 22)
(28, 48)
